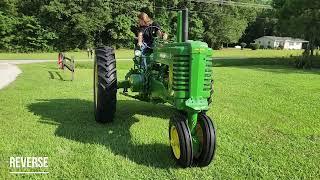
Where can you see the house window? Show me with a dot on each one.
(291, 44)
(259, 42)
(269, 42)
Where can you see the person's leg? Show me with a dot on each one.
(144, 49)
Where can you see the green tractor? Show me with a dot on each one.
(178, 73)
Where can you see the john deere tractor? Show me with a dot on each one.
(178, 73)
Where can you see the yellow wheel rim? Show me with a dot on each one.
(174, 141)
(199, 134)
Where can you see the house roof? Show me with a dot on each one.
(274, 38)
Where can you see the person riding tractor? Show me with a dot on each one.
(148, 29)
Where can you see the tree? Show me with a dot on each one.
(30, 25)
(300, 18)
(75, 22)
(264, 25)
(7, 26)
(196, 28)
(31, 36)
(223, 24)
(8, 7)
(118, 31)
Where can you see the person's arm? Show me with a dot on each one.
(140, 39)
(161, 34)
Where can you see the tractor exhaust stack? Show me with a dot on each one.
(185, 25)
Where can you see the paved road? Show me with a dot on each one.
(24, 61)
(31, 61)
(9, 71)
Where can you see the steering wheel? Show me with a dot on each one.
(157, 29)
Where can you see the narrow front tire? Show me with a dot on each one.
(180, 141)
(206, 134)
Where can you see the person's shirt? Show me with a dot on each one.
(149, 33)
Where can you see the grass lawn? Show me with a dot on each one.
(262, 53)
(128, 54)
(121, 54)
(267, 120)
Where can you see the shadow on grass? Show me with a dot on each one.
(275, 65)
(55, 75)
(225, 62)
(75, 121)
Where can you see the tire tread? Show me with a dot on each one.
(107, 85)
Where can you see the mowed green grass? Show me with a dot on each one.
(267, 120)
(81, 55)
(261, 53)
(128, 54)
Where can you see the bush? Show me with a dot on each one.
(302, 62)
(243, 45)
(281, 47)
(24, 34)
(269, 47)
(262, 47)
(306, 61)
(254, 46)
(77, 50)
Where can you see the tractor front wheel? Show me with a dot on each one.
(105, 85)
(180, 140)
(206, 134)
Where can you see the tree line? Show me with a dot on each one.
(61, 25)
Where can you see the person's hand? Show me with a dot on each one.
(165, 36)
(140, 44)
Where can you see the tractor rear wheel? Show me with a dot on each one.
(180, 140)
(105, 85)
(206, 134)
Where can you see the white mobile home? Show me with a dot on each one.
(275, 42)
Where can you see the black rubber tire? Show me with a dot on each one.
(208, 146)
(211, 93)
(105, 85)
(185, 140)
